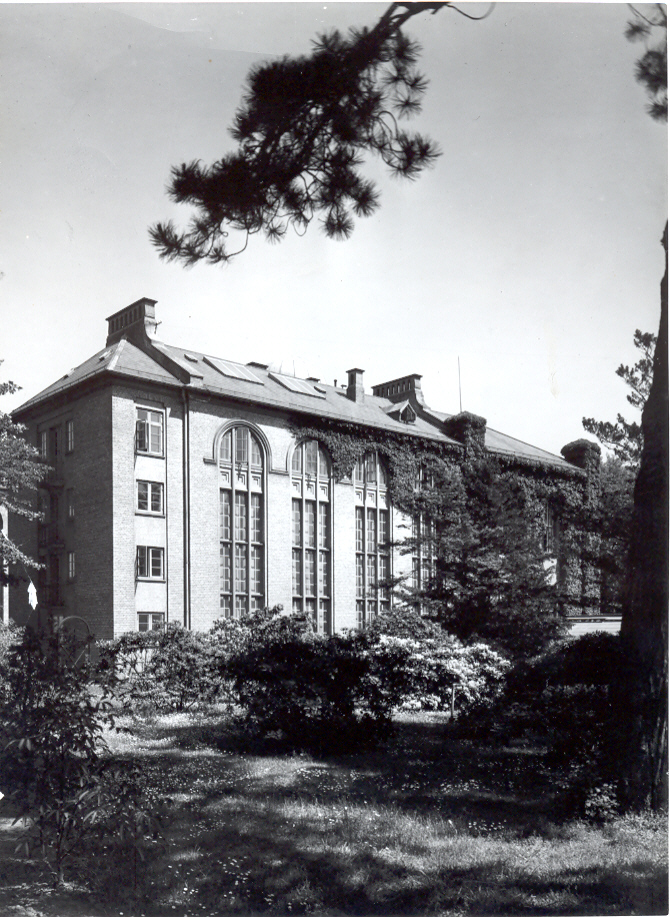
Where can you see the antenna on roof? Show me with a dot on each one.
(460, 402)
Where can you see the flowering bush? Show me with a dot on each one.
(436, 661)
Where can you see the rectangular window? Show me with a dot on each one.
(225, 563)
(241, 579)
(241, 445)
(225, 516)
(240, 517)
(372, 530)
(150, 563)
(310, 573)
(69, 503)
(324, 526)
(297, 523)
(256, 566)
(360, 537)
(297, 572)
(310, 524)
(150, 497)
(311, 457)
(149, 432)
(256, 519)
(150, 620)
(43, 445)
(70, 565)
(69, 435)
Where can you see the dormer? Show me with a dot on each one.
(403, 411)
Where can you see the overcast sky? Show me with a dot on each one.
(531, 250)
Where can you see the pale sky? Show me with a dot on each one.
(531, 251)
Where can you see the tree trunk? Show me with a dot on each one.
(642, 692)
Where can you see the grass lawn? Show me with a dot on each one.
(424, 825)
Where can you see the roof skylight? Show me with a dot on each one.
(233, 370)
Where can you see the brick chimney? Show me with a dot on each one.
(585, 454)
(137, 322)
(355, 390)
(467, 428)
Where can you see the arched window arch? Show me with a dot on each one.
(311, 519)
(241, 522)
(373, 538)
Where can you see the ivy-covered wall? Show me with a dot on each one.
(571, 493)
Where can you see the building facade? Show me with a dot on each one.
(180, 488)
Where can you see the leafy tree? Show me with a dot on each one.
(304, 128)
(652, 68)
(20, 472)
(622, 437)
(618, 472)
(481, 541)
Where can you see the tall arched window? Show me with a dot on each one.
(311, 534)
(373, 538)
(241, 522)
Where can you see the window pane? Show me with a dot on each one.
(296, 461)
(324, 465)
(256, 455)
(360, 577)
(225, 568)
(241, 580)
(241, 605)
(157, 563)
(383, 527)
(142, 566)
(241, 444)
(370, 468)
(324, 573)
(310, 524)
(241, 517)
(157, 621)
(359, 528)
(142, 495)
(311, 451)
(256, 570)
(225, 449)
(359, 474)
(310, 572)
(324, 525)
(372, 531)
(372, 572)
(143, 622)
(226, 607)
(324, 617)
(297, 522)
(155, 437)
(225, 515)
(297, 572)
(256, 518)
(156, 498)
(296, 606)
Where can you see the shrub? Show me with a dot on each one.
(436, 660)
(325, 694)
(52, 756)
(161, 671)
(562, 699)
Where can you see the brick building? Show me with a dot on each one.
(179, 490)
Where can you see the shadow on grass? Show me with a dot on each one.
(426, 824)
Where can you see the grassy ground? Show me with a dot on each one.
(425, 825)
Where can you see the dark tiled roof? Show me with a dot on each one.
(126, 359)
